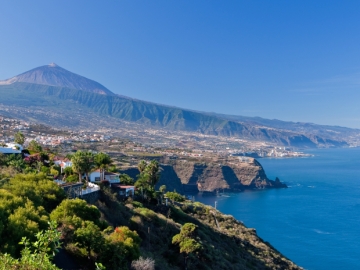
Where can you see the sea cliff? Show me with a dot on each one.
(231, 174)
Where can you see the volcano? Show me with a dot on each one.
(54, 75)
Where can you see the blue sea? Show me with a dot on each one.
(316, 221)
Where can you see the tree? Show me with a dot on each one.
(18, 164)
(2, 159)
(55, 170)
(102, 162)
(19, 138)
(37, 188)
(82, 162)
(142, 165)
(148, 178)
(25, 221)
(162, 189)
(126, 179)
(35, 147)
(44, 248)
(67, 172)
(121, 247)
(75, 207)
(153, 172)
(89, 237)
(186, 240)
(175, 196)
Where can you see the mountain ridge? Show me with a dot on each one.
(33, 88)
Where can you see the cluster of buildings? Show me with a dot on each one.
(54, 140)
(113, 179)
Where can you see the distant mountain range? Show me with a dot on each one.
(52, 86)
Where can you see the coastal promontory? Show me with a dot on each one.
(231, 174)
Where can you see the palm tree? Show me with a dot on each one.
(148, 177)
(89, 164)
(102, 161)
(19, 138)
(142, 166)
(83, 162)
(78, 163)
(153, 172)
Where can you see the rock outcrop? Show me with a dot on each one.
(235, 174)
(232, 175)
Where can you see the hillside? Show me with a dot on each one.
(54, 89)
(227, 243)
(334, 132)
(116, 232)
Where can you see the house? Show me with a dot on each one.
(77, 190)
(108, 176)
(11, 148)
(124, 190)
(63, 163)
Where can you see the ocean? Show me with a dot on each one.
(316, 221)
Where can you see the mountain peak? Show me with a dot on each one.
(54, 75)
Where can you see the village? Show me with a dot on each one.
(149, 142)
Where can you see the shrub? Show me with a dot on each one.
(175, 196)
(143, 264)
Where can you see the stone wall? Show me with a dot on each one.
(91, 197)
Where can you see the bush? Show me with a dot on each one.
(143, 264)
(72, 178)
(137, 204)
(175, 196)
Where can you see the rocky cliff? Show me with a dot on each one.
(231, 175)
(235, 174)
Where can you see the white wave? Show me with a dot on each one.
(321, 232)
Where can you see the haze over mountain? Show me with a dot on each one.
(53, 87)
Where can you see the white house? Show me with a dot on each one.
(108, 176)
(63, 163)
(11, 148)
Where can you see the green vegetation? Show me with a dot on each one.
(175, 196)
(36, 255)
(147, 179)
(141, 232)
(19, 138)
(83, 163)
(185, 240)
(121, 108)
(102, 161)
(34, 147)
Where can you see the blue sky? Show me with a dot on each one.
(289, 60)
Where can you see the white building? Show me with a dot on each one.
(11, 148)
(108, 176)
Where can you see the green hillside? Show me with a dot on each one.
(127, 109)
